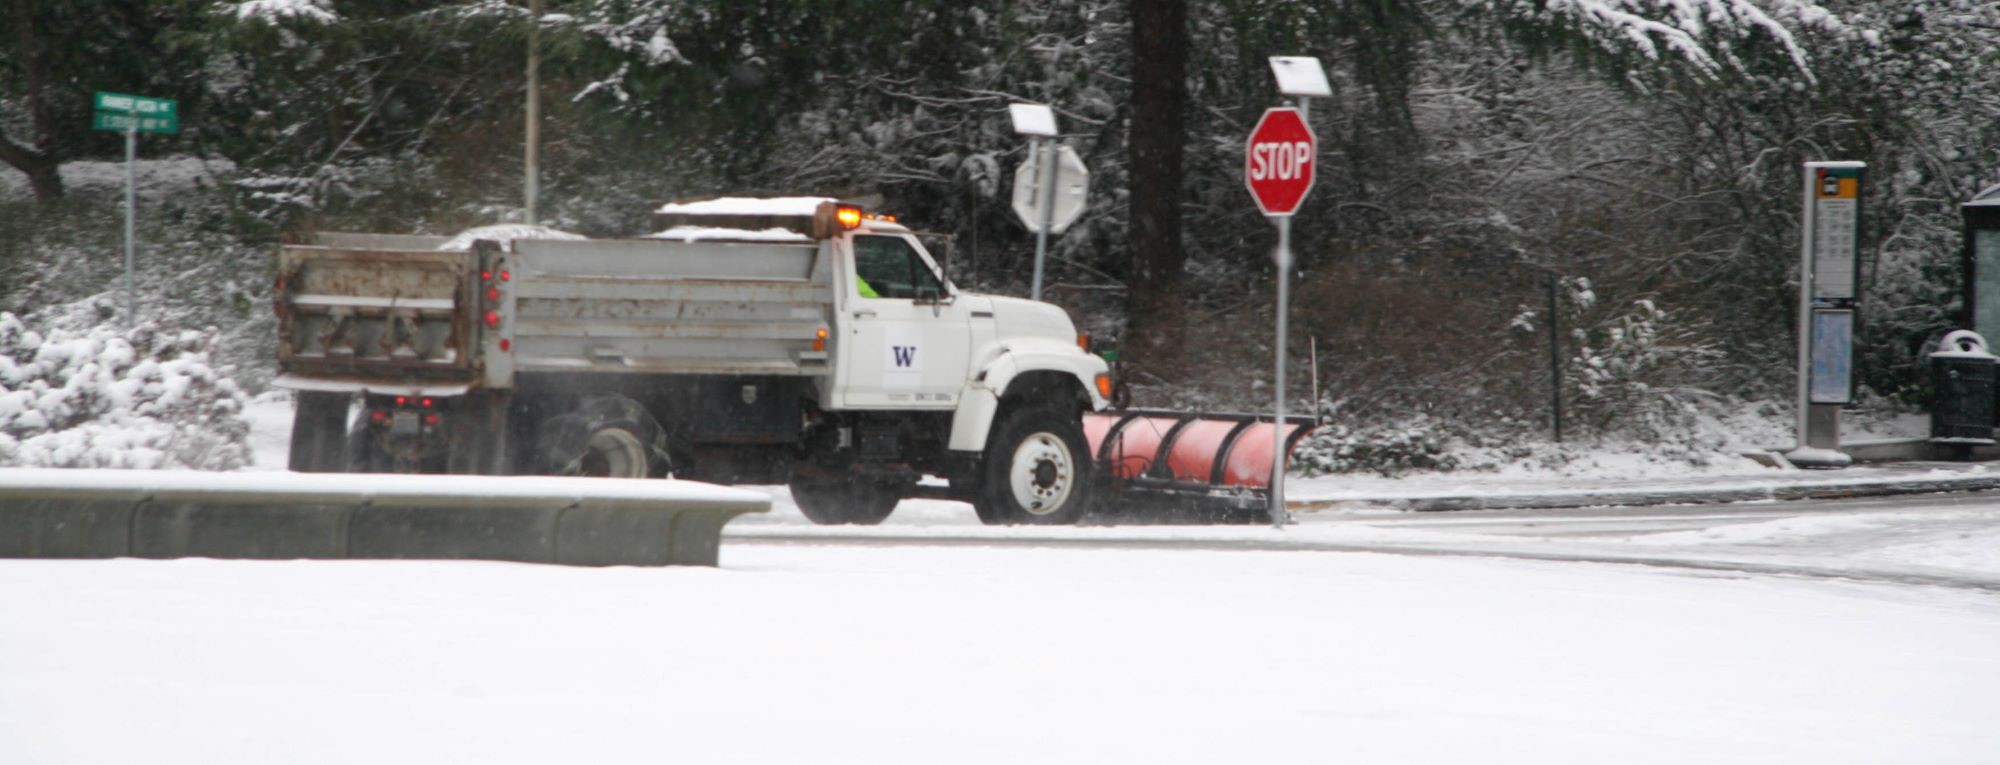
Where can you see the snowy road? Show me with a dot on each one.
(1948, 540)
(1827, 632)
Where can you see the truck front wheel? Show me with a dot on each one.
(1036, 469)
(832, 503)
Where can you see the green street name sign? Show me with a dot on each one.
(114, 121)
(121, 112)
(119, 102)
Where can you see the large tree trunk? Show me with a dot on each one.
(1154, 305)
(39, 162)
(39, 167)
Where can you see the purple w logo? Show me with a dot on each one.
(905, 354)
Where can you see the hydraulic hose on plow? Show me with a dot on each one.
(1208, 466)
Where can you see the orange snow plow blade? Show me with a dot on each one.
(1210, 464)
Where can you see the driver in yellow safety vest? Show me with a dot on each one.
(861, 285)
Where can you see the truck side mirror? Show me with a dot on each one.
(939, 245)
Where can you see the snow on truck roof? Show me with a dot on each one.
(804, 206)
(701, 233)
(763, 219)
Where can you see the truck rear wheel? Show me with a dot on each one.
(319, 432)
(362, 454)
(1036, 469)
(607, 436)
(833, 503)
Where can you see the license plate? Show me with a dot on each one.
(403, 424)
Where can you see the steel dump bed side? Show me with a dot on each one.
(664, 307)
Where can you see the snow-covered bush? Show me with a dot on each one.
(107, 398)
(1705, 432)
(1637, 373)
(1419, 444)
(202, 260)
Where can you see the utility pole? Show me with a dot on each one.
(1555, 359)
(534, 158)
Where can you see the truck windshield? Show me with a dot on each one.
(892, 269)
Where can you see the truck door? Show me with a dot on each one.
(908, 337)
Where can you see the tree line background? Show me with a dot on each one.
(1641, 157)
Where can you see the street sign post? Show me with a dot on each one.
(133, 115)
(1050, 187)
(1072, 190)
(1279, 163)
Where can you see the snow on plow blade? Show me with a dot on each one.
(1210, 465)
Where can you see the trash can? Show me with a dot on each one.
(1962, 373)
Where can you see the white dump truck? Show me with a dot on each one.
(792, 340)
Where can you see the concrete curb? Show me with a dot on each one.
(1640, 497)
(586, 522)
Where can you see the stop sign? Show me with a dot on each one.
(1278, 167)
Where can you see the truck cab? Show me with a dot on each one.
(913, 340)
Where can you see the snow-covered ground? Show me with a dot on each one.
(152, 178)
(270, 416)
(793, 654)
(931, 639)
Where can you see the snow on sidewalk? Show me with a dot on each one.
(1473, 491)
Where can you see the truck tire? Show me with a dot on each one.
(477, 439)
(319, 432)
(362, 454)
(608, 436)
(835, 503)
(1036, 469)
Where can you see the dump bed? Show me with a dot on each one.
(359, 308)
(371, 311)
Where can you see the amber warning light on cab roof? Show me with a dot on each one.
(832, 218)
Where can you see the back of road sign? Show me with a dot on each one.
(1072, 189)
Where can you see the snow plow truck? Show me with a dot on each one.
(797, 340)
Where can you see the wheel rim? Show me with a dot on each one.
(614, 453)
(1041, 474)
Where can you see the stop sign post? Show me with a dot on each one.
(1278, 166)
